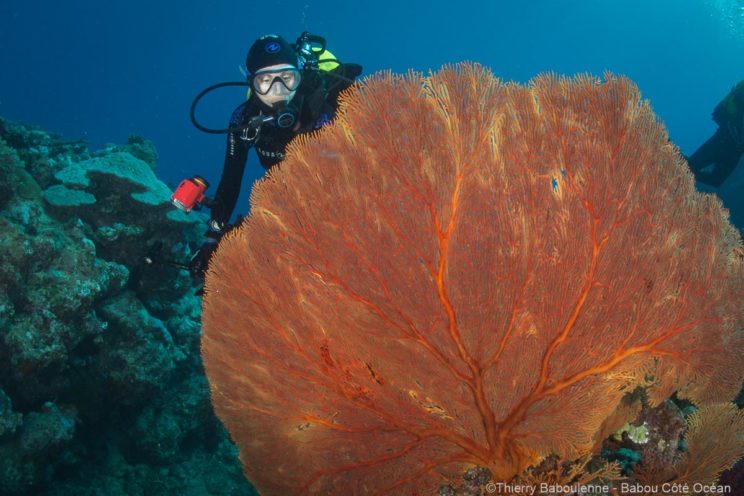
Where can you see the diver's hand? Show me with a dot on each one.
(200, 260)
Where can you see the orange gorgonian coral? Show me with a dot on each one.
(462, 271)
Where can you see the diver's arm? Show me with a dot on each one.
(224, 202)
(232, 176)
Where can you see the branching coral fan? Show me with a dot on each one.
(464, 272)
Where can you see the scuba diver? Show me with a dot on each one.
(293, 89)
(724, 149)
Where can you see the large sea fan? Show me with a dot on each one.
(461, 271)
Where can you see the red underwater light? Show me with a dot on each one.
(190, 193)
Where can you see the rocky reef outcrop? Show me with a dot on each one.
(101, 384)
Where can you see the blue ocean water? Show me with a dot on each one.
(102, 71)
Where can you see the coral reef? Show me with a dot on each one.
(102, 390)
(463, 273)
(653, 440)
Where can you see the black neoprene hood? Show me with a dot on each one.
(270, 50)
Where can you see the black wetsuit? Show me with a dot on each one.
(724, 149)
(316, 101)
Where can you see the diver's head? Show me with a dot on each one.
(273, 67)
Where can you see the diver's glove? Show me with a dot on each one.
(200, 260)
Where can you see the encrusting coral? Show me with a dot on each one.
(101, 385)
(462, 272)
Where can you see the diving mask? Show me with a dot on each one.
(276, 81)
